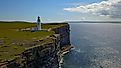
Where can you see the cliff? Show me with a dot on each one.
(43, 52)
(63, 29)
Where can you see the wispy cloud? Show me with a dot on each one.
(110, 8)
(76, 3)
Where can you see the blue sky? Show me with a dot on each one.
(49, 10)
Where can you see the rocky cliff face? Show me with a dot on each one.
(46, 55)
(64, 32)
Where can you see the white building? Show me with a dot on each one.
(38, 23)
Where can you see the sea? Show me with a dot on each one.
(96, 45)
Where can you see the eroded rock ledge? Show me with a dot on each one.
(43, 54)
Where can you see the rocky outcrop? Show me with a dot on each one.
(64, 33)
(43, 55)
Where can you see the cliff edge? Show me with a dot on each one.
(20, 47)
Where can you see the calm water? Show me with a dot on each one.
(96, 46)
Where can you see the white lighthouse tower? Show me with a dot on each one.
(38, 23)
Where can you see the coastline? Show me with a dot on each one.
(36, 49)
(65, 51)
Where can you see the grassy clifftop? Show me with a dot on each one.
(13, 42)
(53, 25)
(15, 25)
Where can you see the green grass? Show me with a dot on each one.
(9, 52)
(16, 25)
(9, 35)
(53, 25)
(11, 39)
(24, 35)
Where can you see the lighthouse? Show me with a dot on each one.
(38, 23)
